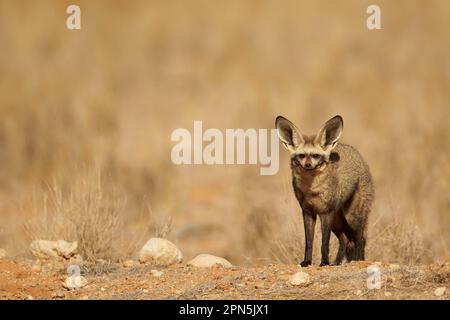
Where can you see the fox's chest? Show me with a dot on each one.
(315, 193)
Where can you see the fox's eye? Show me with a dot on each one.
(295, 162)
(301, 156)
(316, 156)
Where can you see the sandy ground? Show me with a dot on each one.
(27, 279)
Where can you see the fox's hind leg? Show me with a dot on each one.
(350, 251)
(357, 216)
(342, 247)
(339, 227)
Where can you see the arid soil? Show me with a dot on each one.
(25, 279)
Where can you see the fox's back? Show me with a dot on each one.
(351, 169)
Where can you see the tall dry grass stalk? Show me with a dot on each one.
(400, 240)
(87, 210)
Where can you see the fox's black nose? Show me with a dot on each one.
(308, 165)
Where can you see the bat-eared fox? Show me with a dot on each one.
(331, 180)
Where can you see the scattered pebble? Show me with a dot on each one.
(75, 282)
(208, 260)
(387, 294)
(358, 293)
(161, 252)
(58, 294)
(36, 268)
(46, 249)
(299, 279)
(156, 273)
(129, 263)
(439, 292)
(259, 285)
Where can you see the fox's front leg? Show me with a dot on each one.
(309, 220)
(325, 222)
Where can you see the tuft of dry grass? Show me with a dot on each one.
(91, 210)
(400, 240)
(87, 211)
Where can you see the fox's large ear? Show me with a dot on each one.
(329, 134)
(288, 133)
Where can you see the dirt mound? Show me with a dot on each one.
(113, 281)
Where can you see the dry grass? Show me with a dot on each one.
(112, 93)
(87, 213)
(89, 209)
(401, 240)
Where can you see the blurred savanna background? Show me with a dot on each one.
(86, 118)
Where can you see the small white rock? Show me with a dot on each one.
(129, 263)
(207, 260)
(299, 279)
(387, 294)
(358, 292)
(29, 297)
(161, 252)
(36, 268)
(45, 249)
(75, 282)
(156, 273)
(439, 292)
(58, 294)
(2, 253)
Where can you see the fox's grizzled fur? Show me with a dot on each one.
(331, 180)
